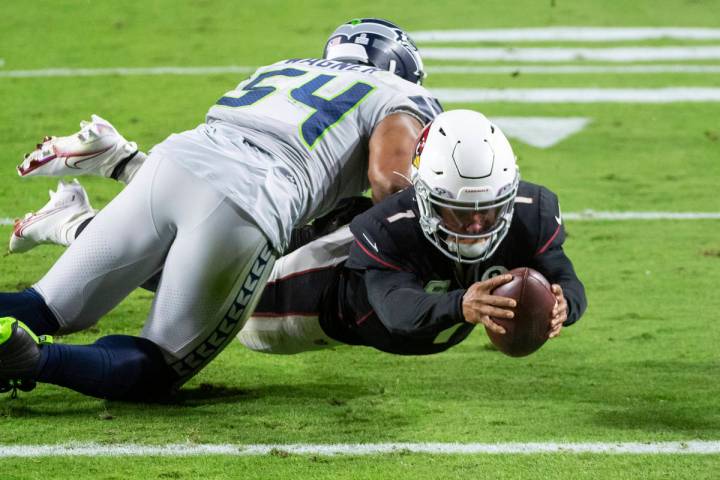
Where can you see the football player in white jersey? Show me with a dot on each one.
(212, 208)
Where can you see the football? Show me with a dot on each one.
(528, 330)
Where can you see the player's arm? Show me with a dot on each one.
(392, 145)
(550, 260)
(480, 306)
(404, 308)
(393, 288)
(558, 269)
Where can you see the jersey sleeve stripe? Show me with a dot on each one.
(362, 319)
(376, 258)
(544, 248)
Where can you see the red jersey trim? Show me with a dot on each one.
(376, 258)
(544, 248)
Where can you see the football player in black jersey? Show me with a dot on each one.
(415, 273)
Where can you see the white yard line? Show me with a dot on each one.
(134, 450)
(621, 54)
(660, 95)
(433, 69)
(593, 215)
(571, 69)
(125, 71)
(578, 95)
(566, 34)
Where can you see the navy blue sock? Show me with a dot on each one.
(30, 308)
(117, 367)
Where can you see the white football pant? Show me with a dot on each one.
(215, 262)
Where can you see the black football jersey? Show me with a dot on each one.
(398, 293)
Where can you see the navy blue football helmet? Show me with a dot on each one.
(379, 43)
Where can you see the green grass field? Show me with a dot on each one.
(641, 366)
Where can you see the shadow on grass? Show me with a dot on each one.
(208, 393)
(62, 402)
(671, 418)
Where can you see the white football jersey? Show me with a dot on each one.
(306, 124)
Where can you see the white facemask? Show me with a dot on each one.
(468, 250)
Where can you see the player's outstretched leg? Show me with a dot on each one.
(117, 367)
(55, 223)
(97, 149)
(59, 222)
(89, 279)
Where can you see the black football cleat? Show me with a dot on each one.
(19, 356)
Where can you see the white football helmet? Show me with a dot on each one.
(465, 180)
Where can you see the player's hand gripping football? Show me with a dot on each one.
(479, 305)
(559, 312)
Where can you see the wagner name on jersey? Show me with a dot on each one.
(292, 140)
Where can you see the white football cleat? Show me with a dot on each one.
(56, 222)
(97, 149)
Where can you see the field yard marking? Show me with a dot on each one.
(566, 34)
(695, 447)
(578, 95)
(540, 132)
(616, 216)
(433, 69)
(570, 69)
(125, 71)
(620, 54)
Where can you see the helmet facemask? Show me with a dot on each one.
(466, 232)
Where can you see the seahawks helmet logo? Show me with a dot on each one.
(404, 40)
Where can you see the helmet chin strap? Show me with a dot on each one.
(469, 250)
(395, 172)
